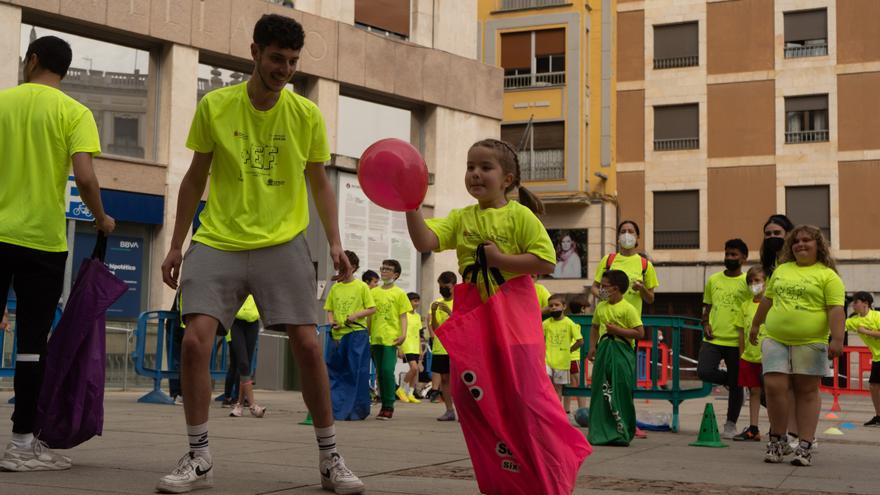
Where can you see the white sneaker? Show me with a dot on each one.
(237, 411)
(37, 457)
(338, 478)
(729, 431)
(803, 456)
(192, 473)
(258, 411)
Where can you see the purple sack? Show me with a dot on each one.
(70, 409)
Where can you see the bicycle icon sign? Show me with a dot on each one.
(76, 209)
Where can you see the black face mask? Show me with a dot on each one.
(446, 292)
(773, 244)
(556, 314)
(732, 265)
(770, 251)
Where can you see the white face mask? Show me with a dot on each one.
(627, 240)
(757, 288)
(603, 294)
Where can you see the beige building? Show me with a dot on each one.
(141, 66)
(729, 111)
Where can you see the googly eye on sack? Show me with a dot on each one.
(477, 393)
(468, 377)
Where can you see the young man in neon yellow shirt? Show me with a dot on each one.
(441, 310)
(725, 293)
(42, 131)
(562, 336)
(409, 351)
(866, 323)
(348, 306)
(260, 143)
(387, 331)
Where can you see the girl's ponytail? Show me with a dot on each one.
(531, 201)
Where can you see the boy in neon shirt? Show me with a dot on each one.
(348, 305)
(409, 351)
(441, 310)
(616, 323)
(561, 337)
(750, 369)
(725, 293)
(387, 331)
(866, 323)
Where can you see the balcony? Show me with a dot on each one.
(818, 50)
(541, 80)
(818, 136)
(676, 239)
(542, 165)
(125, 150)
(677, 144)
(676, 62)
(99, 78)
(529, 4)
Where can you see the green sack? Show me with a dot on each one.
(612, 412)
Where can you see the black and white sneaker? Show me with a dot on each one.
(336, 477)
(775, 451)
(192, 473)
(874, 422)
(803, 456)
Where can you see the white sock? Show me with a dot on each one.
(407, 388)
(198, 440)
(326, 441)
(23, 440)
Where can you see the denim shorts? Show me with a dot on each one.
(806, 359)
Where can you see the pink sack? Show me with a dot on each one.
(518, 436)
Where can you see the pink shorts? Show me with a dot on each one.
(749, 374)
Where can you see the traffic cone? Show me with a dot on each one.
(708, 436)
(832, 431)
(831, 415)
(308, 420)
(835, 406)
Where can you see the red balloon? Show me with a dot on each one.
(393, 175)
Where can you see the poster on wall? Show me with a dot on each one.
(571, 252)
(374, 233)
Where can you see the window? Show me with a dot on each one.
(806, 119)
(529, 4)
(385, 17)
(677, 127)
(211, 77)
(806, 33)
(677, 220)
(533, 58)
(113, 82)
(542, 149)
(676, 45)
(809, 205)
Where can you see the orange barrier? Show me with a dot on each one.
(643, 365)
(850, 387)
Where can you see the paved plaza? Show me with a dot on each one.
(414, 454)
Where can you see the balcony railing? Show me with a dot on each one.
(106, 79)
(529, 4)
(817, 136)
(676, 239)
(676, 62)
(547, 164)
(677, 144)
(542, 79)
(806, 51)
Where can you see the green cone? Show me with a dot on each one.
(708, 436)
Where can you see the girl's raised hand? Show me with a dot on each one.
(493, 254)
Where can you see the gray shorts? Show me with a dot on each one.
(807, 359)
(281, 278)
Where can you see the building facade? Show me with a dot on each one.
(730, 111)
(558, 96)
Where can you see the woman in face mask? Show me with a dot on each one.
(568, 260)
(640, 270)
(775, 230)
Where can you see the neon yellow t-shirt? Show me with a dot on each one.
(258, 192)
(632, 266)
(751, 353)
(513, 228)
(559, 335)
(344, 299)
(42, 129)
(413, 326)
(801, 297)
(726, 295)
(622, 314)
(870, 321)
(390, 304)
(248, 311)
(576, 354)
(543, 295)
(437, 348)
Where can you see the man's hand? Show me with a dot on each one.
(340, 263)
(707, 331)
(835, 348)
(171, 267)
(105, 224)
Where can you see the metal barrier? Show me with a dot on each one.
(166, 320)
(660, 363)
(850, 387)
